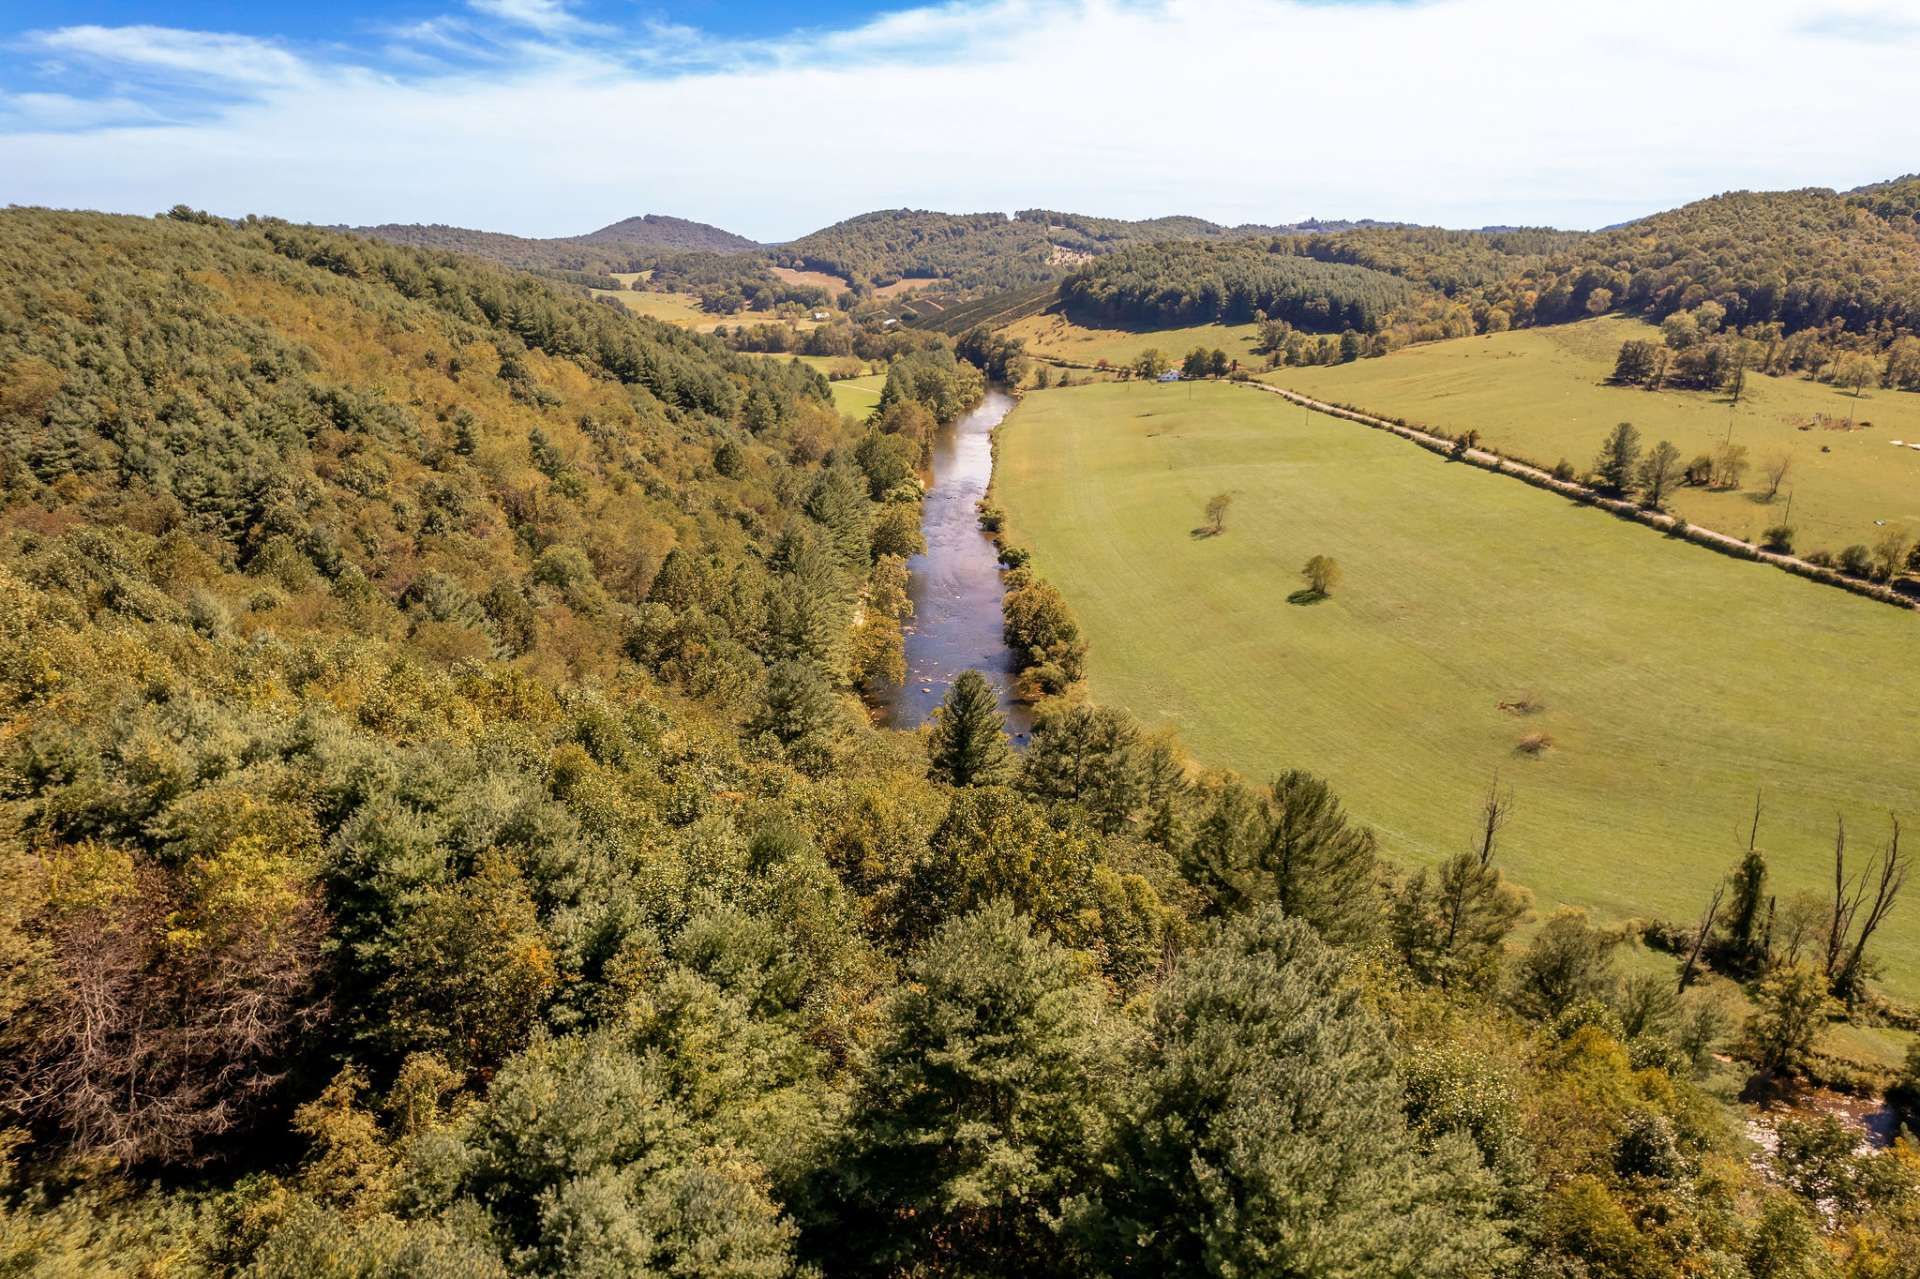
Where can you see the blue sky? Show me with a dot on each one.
(551, 117)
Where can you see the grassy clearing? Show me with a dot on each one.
(1673, 682)
(858, 396)
(833, 284)
(907, 285)
(1542, 394)
(675, 308)
(1052, 336)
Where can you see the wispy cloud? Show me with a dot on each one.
(170, 53)
(549, 17)
(513, 114)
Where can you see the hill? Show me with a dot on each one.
(557, 255)
(1804, 260)
(658, 231)
(622, 247)
(978, 251)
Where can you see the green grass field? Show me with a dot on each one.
(1541, 394)
(1674, 681)
(1052, 336)
(857, 396)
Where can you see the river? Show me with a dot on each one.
(955, 584)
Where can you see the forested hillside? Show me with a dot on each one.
(439, 837)
(659, 231)
(631, 244)
(1802, 259)
(1193, 283)
(979, 250)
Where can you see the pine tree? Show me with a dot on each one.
(993, 1085)
(968, 745)
(1270, 1137)
(1089, 756)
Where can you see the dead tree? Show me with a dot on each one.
(1885, 878)
(1700, 938)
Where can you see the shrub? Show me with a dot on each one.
(1778, 539)
(1856, 561)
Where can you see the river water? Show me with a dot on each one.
(955, 584)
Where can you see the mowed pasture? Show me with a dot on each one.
(1542, 394)
(1672, 683)
(1052, 336)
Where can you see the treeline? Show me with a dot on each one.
(1195, 283)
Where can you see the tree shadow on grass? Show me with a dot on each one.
(1205, 531)
(1307, 595)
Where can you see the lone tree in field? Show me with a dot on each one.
(1322, 574)
(1217, 511)
(968, 746)
(1778, 467)
(1659, 472)
(1618, 457)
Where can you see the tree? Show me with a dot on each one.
(1729, 465)
(1635, 363)
(1217, 511)
(1599, 301)
(1618, 458)
(1891, 552)
(1293, 845)
(1854, 370)
(1451, 925)
(1089, 756)
(1040, 629)
(1658, 474)
(1743, 945)
(1322, 574)
(1195, 365)
(1865, 900)
(994, 1083)
(800, 711)
(1791, 1007)
(1151, 363)
(1569, 960)
(968, 744)
(1778, 467)
(471, 970)
(1218, 364)
(1269, 1135)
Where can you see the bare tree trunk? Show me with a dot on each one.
(1888, 882)
(1700, 938)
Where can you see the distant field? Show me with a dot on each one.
(1541, 394)
(1054, 336)
(675, 308)
(1674, 682)
(908, 285)
(818, 279)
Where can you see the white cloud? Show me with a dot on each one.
(550, 17)
(1463, 112)
(168, 52)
